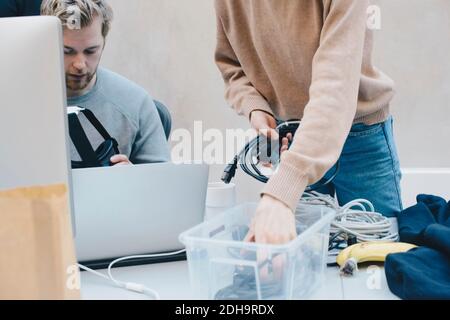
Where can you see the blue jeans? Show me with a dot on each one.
(369, 169)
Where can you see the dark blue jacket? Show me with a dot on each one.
(424, 272)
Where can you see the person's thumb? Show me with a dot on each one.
(265, 125)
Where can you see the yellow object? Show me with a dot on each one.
(349, 258)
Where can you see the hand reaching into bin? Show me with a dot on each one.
(274, 223)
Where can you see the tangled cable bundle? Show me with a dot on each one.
(357, 218)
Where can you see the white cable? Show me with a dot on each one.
(357, 218)
(93, 271)
(131, 286)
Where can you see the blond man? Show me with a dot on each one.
(126, 110)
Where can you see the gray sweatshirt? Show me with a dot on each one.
(130, 116)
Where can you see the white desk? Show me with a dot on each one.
(171, 281)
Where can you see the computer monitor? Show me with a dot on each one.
(33, 120)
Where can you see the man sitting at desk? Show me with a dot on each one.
(126, 110)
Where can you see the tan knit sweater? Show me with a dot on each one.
(302, 59)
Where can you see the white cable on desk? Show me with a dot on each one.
(365, 224)
(93, 271)
(131, 286)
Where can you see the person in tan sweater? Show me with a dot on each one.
(310, 60)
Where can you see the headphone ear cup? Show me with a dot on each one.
(287, 128)
(106, 151)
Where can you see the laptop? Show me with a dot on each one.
(135, 210)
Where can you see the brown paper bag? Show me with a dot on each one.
(37, 253)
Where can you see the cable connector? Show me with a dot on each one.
(230, 171)
(136, 287)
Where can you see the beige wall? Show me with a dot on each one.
(414, 48)
(167, 46)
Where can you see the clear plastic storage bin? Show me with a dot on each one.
(223, 267)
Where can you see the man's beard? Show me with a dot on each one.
(79, 84)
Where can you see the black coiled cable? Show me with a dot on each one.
(250, 155)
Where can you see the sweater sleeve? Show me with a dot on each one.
(150, 145)
(239, 91)
(333, 98)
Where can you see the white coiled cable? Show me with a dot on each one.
(357, 218)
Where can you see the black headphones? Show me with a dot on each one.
(90, 158)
